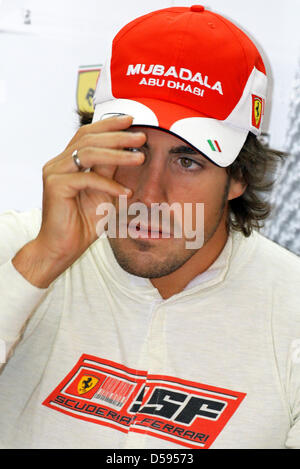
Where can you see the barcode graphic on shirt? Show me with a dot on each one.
(114, 391)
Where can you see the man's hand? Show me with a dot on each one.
(70, 197)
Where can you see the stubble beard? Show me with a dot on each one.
(140, 261)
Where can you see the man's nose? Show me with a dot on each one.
(151, 187)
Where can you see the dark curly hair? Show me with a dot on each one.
(255, 166)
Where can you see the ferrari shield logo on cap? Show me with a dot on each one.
(257, 111)
(86, 384)
(86, 85)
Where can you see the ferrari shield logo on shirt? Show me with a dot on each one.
(106, 393)
(257, 111)
(86, 84)
(86, 383)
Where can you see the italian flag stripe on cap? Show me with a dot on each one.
(214, 145)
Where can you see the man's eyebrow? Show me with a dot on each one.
(184, 149)
(180, 149)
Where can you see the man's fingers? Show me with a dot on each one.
(69, 185)
(91, 156)
(122, 139)
(88, 142)
(111, 124)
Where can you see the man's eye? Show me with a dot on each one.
(188, 163)
(132, 149)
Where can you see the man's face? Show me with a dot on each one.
(172, 172)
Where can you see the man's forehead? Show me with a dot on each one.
(165, 138)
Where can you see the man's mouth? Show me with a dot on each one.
(144, 231)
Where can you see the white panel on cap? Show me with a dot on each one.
(241, 116)
(103, 90)
(199, 130)
(141, 114)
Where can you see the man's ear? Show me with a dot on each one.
(236, 189)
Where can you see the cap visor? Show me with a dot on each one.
(219, 142)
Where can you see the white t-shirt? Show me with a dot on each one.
(100, 360)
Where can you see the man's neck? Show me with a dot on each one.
(175, 282)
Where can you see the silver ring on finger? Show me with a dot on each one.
(77, 160)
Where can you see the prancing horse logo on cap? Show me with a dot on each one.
(257, 108)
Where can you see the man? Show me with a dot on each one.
(142, 340)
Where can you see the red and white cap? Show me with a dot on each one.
(188, 71)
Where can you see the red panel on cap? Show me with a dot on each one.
(156, 57)
(197, 8)
(168, 114)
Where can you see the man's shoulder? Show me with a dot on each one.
(275, 254)
(30, 217)
(17, 229)
(269, 263)
(265, 262)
